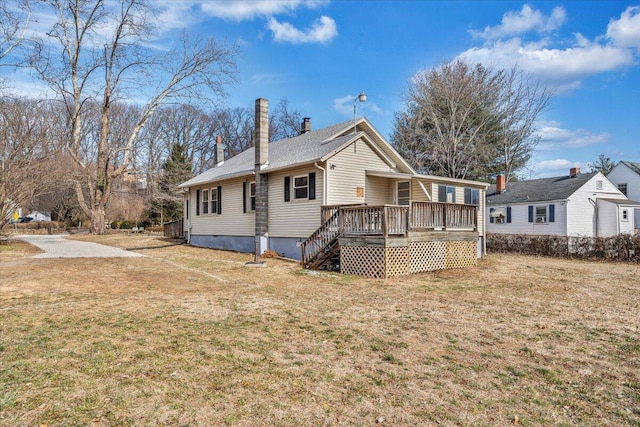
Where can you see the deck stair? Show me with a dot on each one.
(321, 250)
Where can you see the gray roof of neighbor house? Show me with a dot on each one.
(538, 190)
(303, 149)
(634, 166)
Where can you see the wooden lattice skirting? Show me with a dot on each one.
(381, 262)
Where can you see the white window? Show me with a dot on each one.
(252, 195)
(541, 214)
(599, 184)
(623, 189)
(301, 187)
(205, 201)
(404, 193)
(214, 200)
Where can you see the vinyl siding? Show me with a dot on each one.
(621, 174)
(296, 218)
(417, 194)
(349, 173)
(232, 221)
(379, 191)
(580, 209)
(520, 220)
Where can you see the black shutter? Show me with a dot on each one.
(197, 202)
(530, 213)
(508, 214)
(442, 193)
(244, 196)
(552, 213)
(491, 218)
(287, 188)
(219, 200)
(312, 186)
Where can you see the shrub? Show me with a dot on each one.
(623, 247)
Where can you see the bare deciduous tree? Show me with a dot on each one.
(522, 100)
(29, 165)
(104, 61)
(465, 121)
(14, 20)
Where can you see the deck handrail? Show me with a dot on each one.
(322, 237)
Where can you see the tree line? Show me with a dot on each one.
(92, 148)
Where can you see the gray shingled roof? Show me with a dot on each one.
(634, 166)
(538, 190)
(305, 148)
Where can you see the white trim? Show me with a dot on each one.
(462, 182)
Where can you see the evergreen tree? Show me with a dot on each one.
(168, 203)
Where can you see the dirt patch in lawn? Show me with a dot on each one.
(190, 336)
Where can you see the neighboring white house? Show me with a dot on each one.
(40, 216)
(276, 195)
(626, 176)
(579, 205)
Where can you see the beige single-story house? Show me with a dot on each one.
(341, 196)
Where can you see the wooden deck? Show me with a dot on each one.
(386, 226)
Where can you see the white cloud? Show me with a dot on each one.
(565, 67)
(625, 32)
(526, 20)
(241, 10)
(322, 31)
(554, 164)
(264, 78)
(554, 137)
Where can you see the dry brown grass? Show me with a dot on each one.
(190, 336)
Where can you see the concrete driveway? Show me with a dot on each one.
(57, 246)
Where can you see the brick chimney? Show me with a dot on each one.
(261, 141)
(219, 151)
(261, 133)
(306, 125)
(501, 183)
(573, 172)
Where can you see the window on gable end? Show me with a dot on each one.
(623, 189)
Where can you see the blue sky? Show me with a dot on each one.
(320, 54)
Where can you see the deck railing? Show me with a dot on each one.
(445, 216)
(375, 220)
(397, 220)
(387, 220)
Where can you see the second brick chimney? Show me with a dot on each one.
(306, 125)
(219, 151)
(501, 183)
(573, 172)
